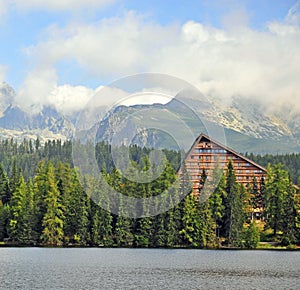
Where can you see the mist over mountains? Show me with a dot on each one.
(248, 125)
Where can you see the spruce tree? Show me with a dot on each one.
(52, 223)
(233, 209)
(277, 187)
(289, 223)
(216, 204)
(4, 220)
(5, 193)
(123, 228)
(252, 236)
(190, 221)
(17, 212)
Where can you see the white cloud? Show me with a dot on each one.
(293, 16)
(222, 62)
(60, 5)
(3, 70)
(68, 99)
(40, 88)
(3, 7)
(37, 88)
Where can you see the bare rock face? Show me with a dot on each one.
(7, 97)
(249, 126)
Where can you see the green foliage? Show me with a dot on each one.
(43, 201)
(252, 236)
(277, 189)
(290, 162)
(52, 233)
(234, 217)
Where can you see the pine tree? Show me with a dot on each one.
(83, 211)
(173, 218)
(289, 224)
(233, 209)
(123, 228)
(190, 222)
(30, 234)
(143, 231)
(5, 193)
(252, 236)
(40, 184)
(96, 233)
(17, 211)
(52, 223)
(15, 177)
(207, 227)
(159, 231)
(21, 222)
(216, 203)
(255, 195)
(277, 187)
(4, 220)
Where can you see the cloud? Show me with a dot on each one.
(236, 18)
(3, 7)
(293, 16)
(60, 5)
(40, 88)
(37, 88)
(69, 99)
(3, 70)
(222, 62)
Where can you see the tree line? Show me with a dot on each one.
(49, 205)
(290, 162)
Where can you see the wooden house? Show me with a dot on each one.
(206, 154)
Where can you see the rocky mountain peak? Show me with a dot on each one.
(7, 96)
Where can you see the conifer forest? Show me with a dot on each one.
(44, 202)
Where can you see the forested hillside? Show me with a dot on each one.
(291, 162)
(43, 202)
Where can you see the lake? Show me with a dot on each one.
(100, 268)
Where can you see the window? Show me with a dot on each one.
(207, 158)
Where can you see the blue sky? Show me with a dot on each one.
(45, 44)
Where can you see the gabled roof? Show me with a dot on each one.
(202, 136)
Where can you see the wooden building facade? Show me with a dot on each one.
(206, 154)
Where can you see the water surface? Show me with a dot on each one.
(92, 268)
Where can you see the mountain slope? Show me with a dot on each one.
(248, 126)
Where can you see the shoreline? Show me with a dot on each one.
(279, 248)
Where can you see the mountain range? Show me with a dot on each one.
(248, 126)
